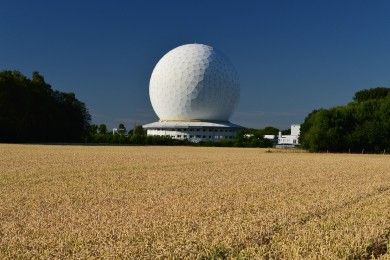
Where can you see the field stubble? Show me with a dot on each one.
(191, 202)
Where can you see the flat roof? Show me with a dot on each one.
(190, 124)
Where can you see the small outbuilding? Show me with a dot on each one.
(291, 140)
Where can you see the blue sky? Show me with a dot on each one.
(291, 56)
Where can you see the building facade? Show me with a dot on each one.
(290, 140)
(193, 131)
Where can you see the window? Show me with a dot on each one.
(198, 136)
(178, 136)
(204, 136)
(191, 136)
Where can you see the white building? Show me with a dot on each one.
(270, 137)
(194, 89)
(290, 140)
(193, 131)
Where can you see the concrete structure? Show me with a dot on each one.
(194, 90)
(295, 130)
(289, 140)
(193, 131)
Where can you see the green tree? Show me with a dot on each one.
(373, 93)
(270, 130)
(30, 111)
(121, 129)
(361, 125)
(102, 129)
(138, 130)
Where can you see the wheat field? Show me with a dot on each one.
(61, 202)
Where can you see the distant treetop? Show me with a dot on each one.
(373, 93)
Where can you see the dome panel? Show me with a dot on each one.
(194, 82)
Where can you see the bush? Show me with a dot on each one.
(362, 125)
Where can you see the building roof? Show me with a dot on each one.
(190, 124)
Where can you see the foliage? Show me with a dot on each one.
(121, 129)
(373, 93)
(138, 130)
(360, 126)
(254, 137)
(259, 133)
(102, 129)
(137, 136)
(31, 111)
(286, 131)
(270, 130)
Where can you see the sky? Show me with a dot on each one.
(291, 56)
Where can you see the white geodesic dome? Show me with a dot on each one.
(194, 82)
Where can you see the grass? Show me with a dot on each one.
(191, 202)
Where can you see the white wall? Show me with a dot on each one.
(194, 134)
(288, 139)
(291, 139)
(295, 129)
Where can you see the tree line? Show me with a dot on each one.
(31, 111)
(363, 125)
(99, 134)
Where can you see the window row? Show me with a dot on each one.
(199, 136)
(196, 130)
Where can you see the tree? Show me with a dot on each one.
(138, 130)
(30, 111)
(121, 129)
(361, 125)
(93, 129)
(102, 129)
(270, 130)
(373, 93)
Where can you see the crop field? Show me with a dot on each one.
(191, 202)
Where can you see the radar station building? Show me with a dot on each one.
(194, 89)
